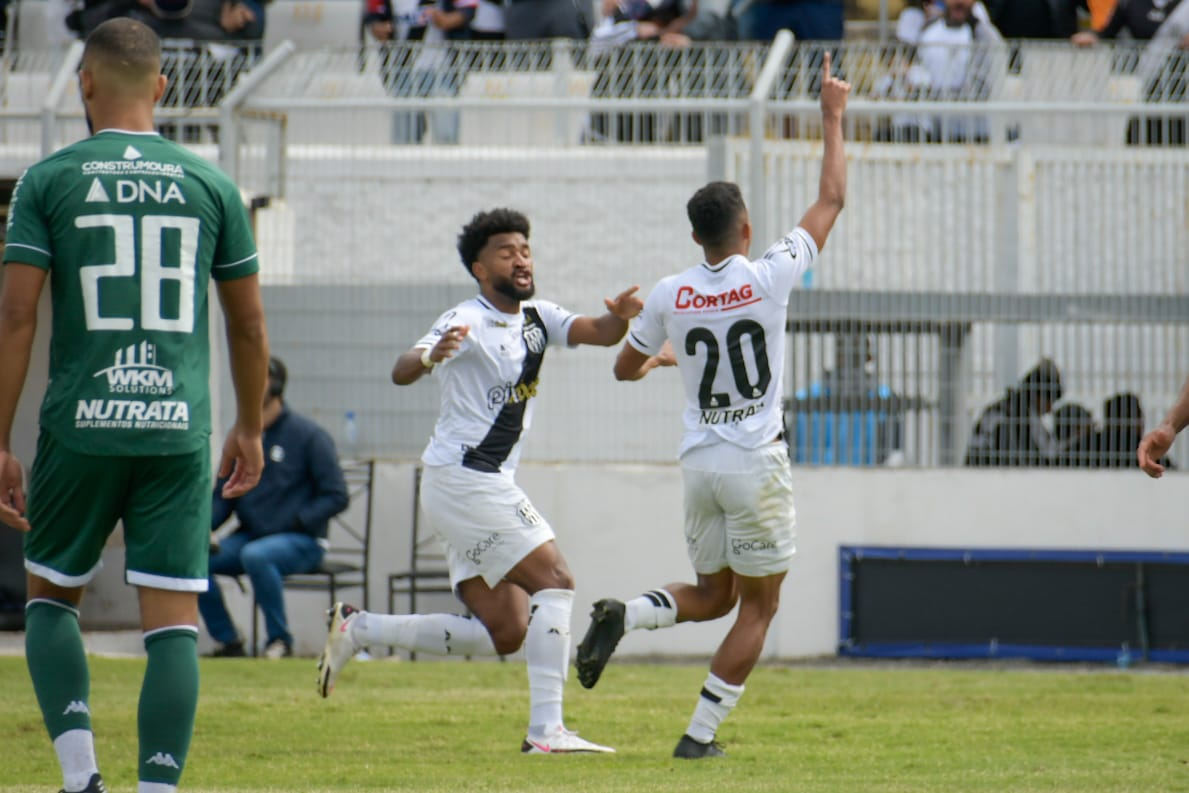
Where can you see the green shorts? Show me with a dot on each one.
(76, 499)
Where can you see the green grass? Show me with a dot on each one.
(456, 726)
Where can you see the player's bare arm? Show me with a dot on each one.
(631, 364)
(18, 325)
(608, 329)
(831, 196)
(242, 460)
(411, 366)
(1157, 442)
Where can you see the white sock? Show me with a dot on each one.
(436, 634)
(652, 610)
(717, 700)
(155, 787)
(547, 651)
(76, 755)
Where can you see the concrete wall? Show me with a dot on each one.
(620, 529)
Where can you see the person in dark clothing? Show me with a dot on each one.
(1122, 430)
(283, 522)
(1076, 436)
(1011, 431)
(1034, 19)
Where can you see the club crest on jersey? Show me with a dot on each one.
(689, 298)
(135, 371)
(534, 338)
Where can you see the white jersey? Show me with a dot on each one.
(727, 326)
(489, 384)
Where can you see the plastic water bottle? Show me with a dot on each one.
(1123, 659)
(807, 279)
(350, 434)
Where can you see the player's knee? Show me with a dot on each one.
(507, 636)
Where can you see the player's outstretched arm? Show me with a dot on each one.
(18, 325)
(242, 461)
(631, 364)
(608, 329)
(1157, 442)
(418, 361)
(831, 195)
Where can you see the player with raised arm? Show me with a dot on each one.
(723, 324)
(132, 228)
(1156, 443)
(504, 562)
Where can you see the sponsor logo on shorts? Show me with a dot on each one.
(135, 371)
(528, 513)
(739, 547)
(475, 554)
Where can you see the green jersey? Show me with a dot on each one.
(131, 228)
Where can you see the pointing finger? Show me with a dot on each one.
(826, 64)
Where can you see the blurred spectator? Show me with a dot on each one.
(623, 21)
(1034, 19)
(760, 20)
(487, 23)
(956, 58)
(918, 13)
(1122, 429)
(195, 20)
(422, 71)
(1139, 18)
(849, 417)
(1076, 436)
(544, 19)
(1011, 431)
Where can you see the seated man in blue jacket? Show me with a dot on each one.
(283, 523)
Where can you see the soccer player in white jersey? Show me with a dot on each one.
(723, 324)
(504, 563)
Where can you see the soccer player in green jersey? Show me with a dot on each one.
(130, 229)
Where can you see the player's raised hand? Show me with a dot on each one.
(449, 344)
(12, 492)
(1154, 446)
(625, 305)
(834, 90)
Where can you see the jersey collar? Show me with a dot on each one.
(718, 268)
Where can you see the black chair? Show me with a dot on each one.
(345, 564)
(428, 572)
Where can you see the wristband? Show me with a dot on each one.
(427, 361)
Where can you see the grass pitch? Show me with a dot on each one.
(456, 726)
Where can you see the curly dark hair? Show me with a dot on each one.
(713, 211)
(483, 227)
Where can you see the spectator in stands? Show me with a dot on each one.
(961, 62)
(1011, 431)
(283, 523)
(425, 71)
(1076, 436)
(624, 21)
(1139, 18)
(760, 20)
(545, 19)
(918, 13)
(1122, 430)
(195, 20)
(1157, 442)
(1034, 19)
(849, 417)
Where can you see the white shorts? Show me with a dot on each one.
(739, 509)
(484, 521)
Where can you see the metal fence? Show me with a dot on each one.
(961, 260)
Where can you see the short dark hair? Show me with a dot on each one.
(713, 212)
(129, 47)
(483, 227)
(1043, 381)
(278, 376)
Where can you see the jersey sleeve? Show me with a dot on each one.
(783, 264)
(443, 323)
(235, 250)
(28, 232)
(647, 333)
(557, 321)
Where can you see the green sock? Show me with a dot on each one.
(168, 702)
(58, 665)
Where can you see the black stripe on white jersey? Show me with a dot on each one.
(505, 431)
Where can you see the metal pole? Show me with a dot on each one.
(49, 108)
(778, 57)
(228, 130)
